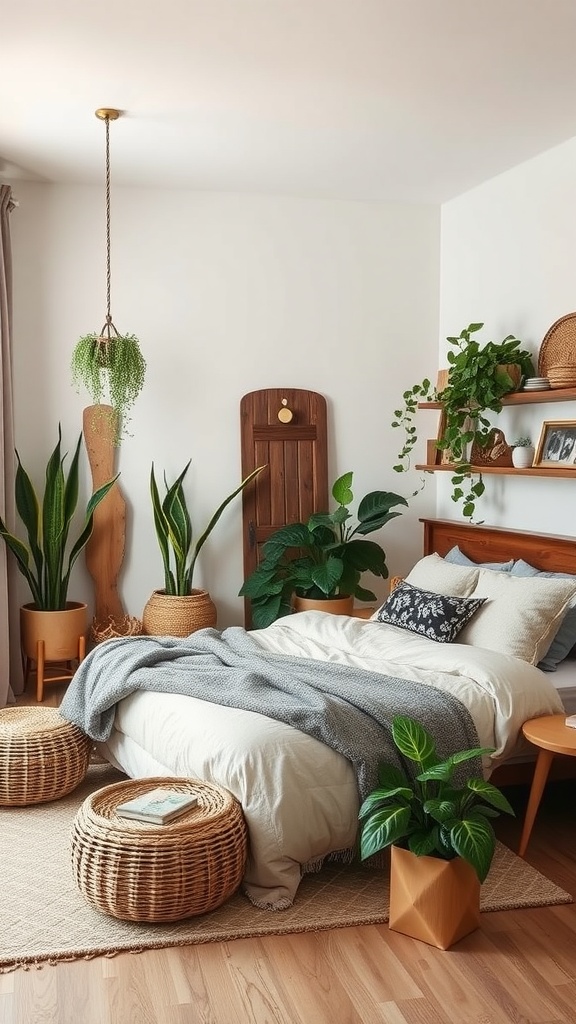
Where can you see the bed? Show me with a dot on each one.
(301, 796)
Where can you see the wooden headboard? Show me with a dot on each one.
(497, 544)
(544, 551)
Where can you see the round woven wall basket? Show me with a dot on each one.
(42, 756)
(140, 871)
(170, 615)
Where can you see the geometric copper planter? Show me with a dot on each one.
(436, 901)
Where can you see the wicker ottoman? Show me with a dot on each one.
(42, 756)
(139, 871)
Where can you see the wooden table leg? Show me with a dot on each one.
(543, 762)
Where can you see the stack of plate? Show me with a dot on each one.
(536, 384)
(562, 375)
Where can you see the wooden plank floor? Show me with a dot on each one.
(520, 966)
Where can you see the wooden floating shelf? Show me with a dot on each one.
(503, 470)
(524, 398)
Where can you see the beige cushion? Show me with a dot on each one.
(521, 616)
(441, 577)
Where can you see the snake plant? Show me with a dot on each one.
(174, 530)
(44, 562)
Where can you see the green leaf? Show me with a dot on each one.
(384, 828)
(490, 794)
(414, 741)
(341, 490)
(266, 612)
(422, 844)
(473, 839)
(327, 576)
(441, 810)
(377, 799)
(440, 772)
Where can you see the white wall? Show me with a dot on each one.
(507, 260)
(227, 294)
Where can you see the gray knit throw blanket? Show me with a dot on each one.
(349, 709)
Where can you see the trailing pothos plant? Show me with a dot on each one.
(427, 813)
(478, 380)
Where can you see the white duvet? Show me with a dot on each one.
(299, 797)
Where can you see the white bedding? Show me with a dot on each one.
(300, 798)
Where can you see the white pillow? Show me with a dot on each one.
(433, 573)
(521, 616)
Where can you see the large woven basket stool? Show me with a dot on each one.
(42, 756)
(139, 871)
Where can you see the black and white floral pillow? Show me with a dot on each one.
(432, 615)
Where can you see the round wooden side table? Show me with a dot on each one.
(551, 736)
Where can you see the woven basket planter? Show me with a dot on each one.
(42, 756)
(139, 871)
(170, 615)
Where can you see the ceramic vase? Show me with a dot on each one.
(522, 458)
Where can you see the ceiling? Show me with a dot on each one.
(393, 100)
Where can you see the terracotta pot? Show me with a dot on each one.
(61, 631)
(336, 605)
(171, 615)
(437, 901)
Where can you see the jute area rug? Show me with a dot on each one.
(44, 918)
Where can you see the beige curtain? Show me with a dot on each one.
(8, 635)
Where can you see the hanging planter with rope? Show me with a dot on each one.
(110, 365)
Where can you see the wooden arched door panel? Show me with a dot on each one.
(285, 429)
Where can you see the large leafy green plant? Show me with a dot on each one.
(174, 530)
(43, 562)
(477, 383)
(322, 558)
(428, 814)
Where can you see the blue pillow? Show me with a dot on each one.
(565, 638)
(429, 614)
(458, 557)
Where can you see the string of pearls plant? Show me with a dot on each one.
(111, 368)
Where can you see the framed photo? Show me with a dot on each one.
(557, 444)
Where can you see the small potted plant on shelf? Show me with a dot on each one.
(46, 563)
(479, 377)
(179, 609)
(323, 559)
(523, 452)
(440, 833)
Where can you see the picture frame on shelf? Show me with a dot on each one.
(557, 444)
